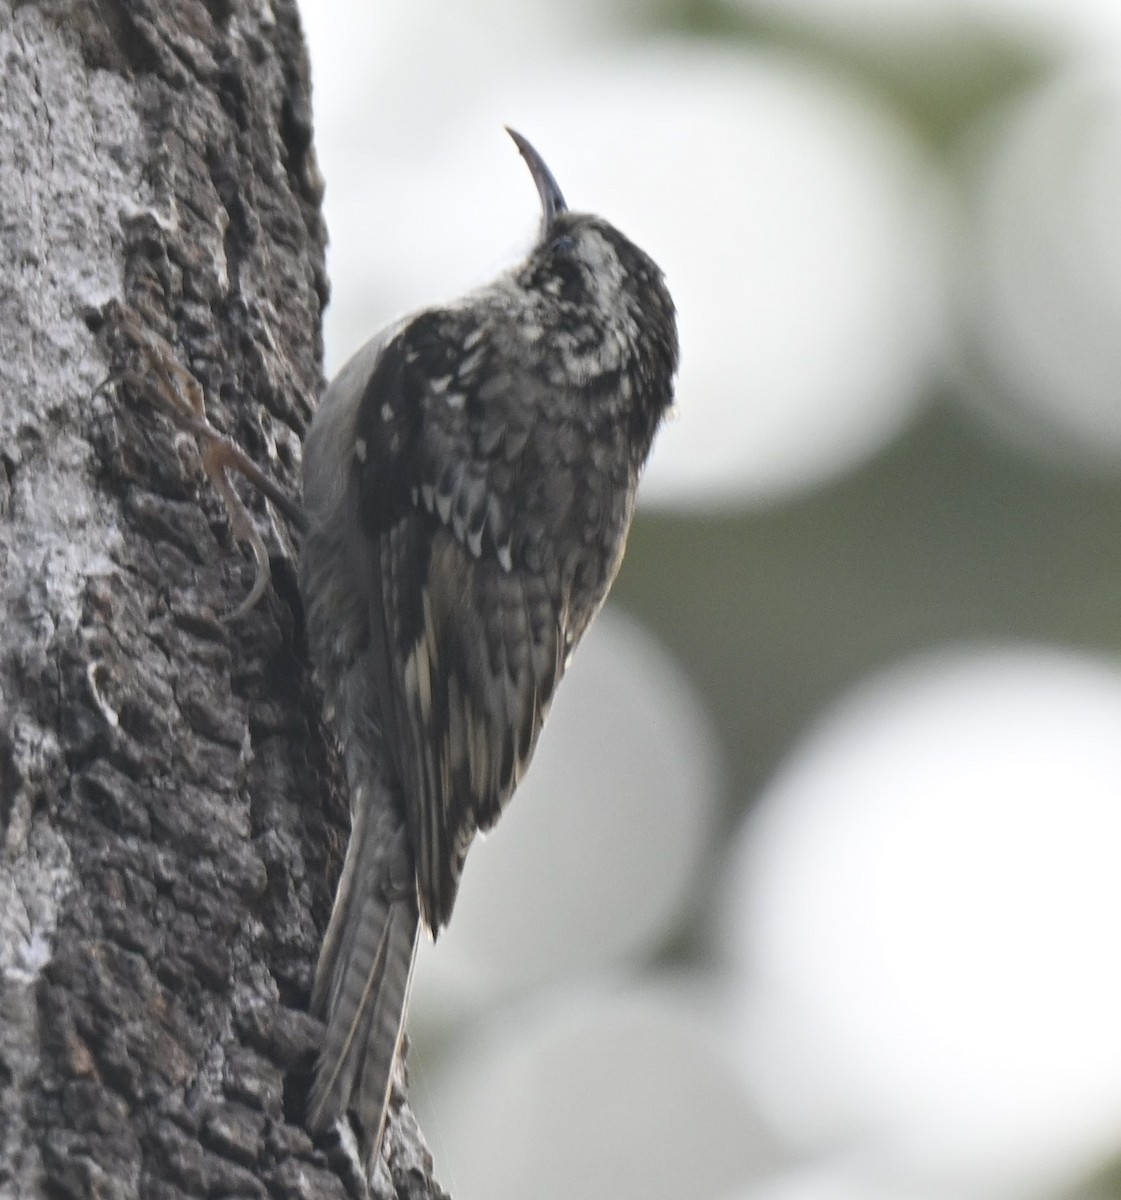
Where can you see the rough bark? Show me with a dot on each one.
(169, 800)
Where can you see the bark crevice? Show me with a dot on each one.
(170, 802)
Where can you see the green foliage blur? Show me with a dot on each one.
(949, 535)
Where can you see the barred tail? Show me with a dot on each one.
(365, 968)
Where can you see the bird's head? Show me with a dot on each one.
(584, 264)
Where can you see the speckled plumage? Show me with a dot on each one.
(469, 481)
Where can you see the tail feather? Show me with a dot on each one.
(387, 1021)
(362, 981)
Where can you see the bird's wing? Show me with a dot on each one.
(474, 642)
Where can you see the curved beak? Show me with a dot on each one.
(552, 199)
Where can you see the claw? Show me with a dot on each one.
(214, 463)
(181, 397)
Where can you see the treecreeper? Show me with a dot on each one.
(469, 482)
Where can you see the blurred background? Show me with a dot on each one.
(814, 889)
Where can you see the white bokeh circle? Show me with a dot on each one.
(858, 1174)
(626, 1094)
(1041, 272)
(927, 907)
(597, 856)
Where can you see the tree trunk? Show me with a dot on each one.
(171, 808)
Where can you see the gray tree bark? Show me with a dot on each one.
(171, 808)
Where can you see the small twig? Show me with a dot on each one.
(181, 397)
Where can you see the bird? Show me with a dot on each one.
(469, 480)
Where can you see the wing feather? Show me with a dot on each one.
(473, 640)
(473, 695)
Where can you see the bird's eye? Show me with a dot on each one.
(564, 243)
